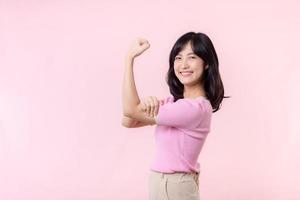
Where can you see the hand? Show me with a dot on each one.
(138, 46)
(151, 105)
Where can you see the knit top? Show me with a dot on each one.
(180, 133)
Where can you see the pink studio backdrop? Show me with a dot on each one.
(61, 71)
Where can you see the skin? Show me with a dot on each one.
(186, 60)
(136, 112)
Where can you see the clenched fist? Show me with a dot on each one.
(138, 46)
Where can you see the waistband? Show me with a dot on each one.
(177, 175)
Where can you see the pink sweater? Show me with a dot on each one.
(181, 130)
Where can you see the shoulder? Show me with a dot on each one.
(202, 104)
(167, 99)
(198, 103)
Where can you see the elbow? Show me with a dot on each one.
(127, 113)
(126, 125)
(131, 112)
(126, 122)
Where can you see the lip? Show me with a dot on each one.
(189, 73)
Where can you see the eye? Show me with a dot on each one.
(193, 57)
(177, 57)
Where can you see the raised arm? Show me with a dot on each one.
(130, 97)
(132, 107)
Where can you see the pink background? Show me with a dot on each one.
(61, 70)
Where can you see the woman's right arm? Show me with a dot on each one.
(132, 123)
(132, 107)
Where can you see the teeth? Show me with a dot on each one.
(186, 73)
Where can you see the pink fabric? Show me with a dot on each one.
(181, 130)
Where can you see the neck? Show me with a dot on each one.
(192, 92)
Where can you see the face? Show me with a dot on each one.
(188, 66)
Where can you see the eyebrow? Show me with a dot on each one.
(187, 54)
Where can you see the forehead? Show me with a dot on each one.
(187, 49)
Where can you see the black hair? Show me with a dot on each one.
(210, 79)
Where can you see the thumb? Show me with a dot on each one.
(161, 102)
(146, 45)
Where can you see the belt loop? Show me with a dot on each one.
(162, 175)
(197, 178)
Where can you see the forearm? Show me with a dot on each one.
(130, 98)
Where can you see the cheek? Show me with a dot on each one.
(176, 68)
(196, 63)
(176, 64)
(198, 72)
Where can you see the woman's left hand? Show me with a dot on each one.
(151, 105)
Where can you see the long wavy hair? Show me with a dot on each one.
(210, 79)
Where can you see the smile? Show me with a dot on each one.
(186, 73)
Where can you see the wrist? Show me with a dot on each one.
(129, 57)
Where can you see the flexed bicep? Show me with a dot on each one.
(146, 110)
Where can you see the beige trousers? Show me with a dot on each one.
(175, 186)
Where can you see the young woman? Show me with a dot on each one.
(183, 118)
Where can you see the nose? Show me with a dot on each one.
(184, 64)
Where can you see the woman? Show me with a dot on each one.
(183, 119)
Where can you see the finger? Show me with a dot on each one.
(143, 40)
(161, 102)
(156, 104)
(140, 41)
(144, 108)
(147, 45)
(144, 47)
(148, 107)
(152, 106)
